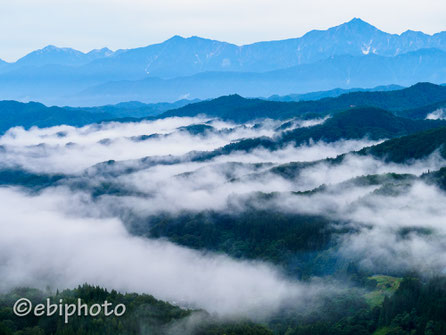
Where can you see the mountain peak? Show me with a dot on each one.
(357, 20)
(176, 38)
(52, 48)
(49, 47)
(425, 87)
(51, 55)
(413, 33)
(100, 52)
(357, 24)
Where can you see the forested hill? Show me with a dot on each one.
(415, 102)
(13, 113)
(398, 150)
(416, 307)
(143, 315)
(414, 146)
(236, 108)
(356, 123)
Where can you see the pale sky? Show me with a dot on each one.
(27, 25)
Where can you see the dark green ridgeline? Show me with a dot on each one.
(27, 115)
(236, 108)
(144, 315)
(416, 307)
(304, 245)
(415, 146)
(398, 150)
(418, 100)
(354, 124)
(299, 243)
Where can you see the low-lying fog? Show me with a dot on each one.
(61, 236)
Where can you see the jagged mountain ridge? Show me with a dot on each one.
(179, 56)
(353, 54)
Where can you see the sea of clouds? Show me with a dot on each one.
(62, 235)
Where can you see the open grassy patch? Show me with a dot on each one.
(385, 286)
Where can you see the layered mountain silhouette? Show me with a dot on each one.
(52, 55)
(353, 54)
(33, 114)
(414, 102)
(342, 71)
(357, 123)
(179, 56)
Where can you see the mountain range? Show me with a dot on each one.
(27, 115)
(179, 56)
(341, 72)
(353, 54)
(415, 102)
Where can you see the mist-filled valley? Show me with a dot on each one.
(251, 167)
(307, 218)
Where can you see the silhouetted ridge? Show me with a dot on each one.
(359, 123)
(415, 146)
(236, 108)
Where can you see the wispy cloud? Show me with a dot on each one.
(64, 236)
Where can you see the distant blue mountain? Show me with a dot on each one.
(403, 103)
(183, 65)
(341, 71)
(52, 55)
(414, 102)
(180, 56)
(3, 64)
(13, 113)
(331, 93)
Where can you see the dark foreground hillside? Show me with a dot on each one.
(411, 306)
(144, 315)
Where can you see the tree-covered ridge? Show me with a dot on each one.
(333, 93)
(20, 177)
(398, 150)
(436, 177)
(144, 315)
(33, 114)
(357, 123)
(417, 307)
(414, 146)
(13, 114)
(286, 239)
(418, 100)
(422, 112)
(412, 307)
(239, 109)
(303, 245)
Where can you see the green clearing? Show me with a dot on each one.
(385, 286)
